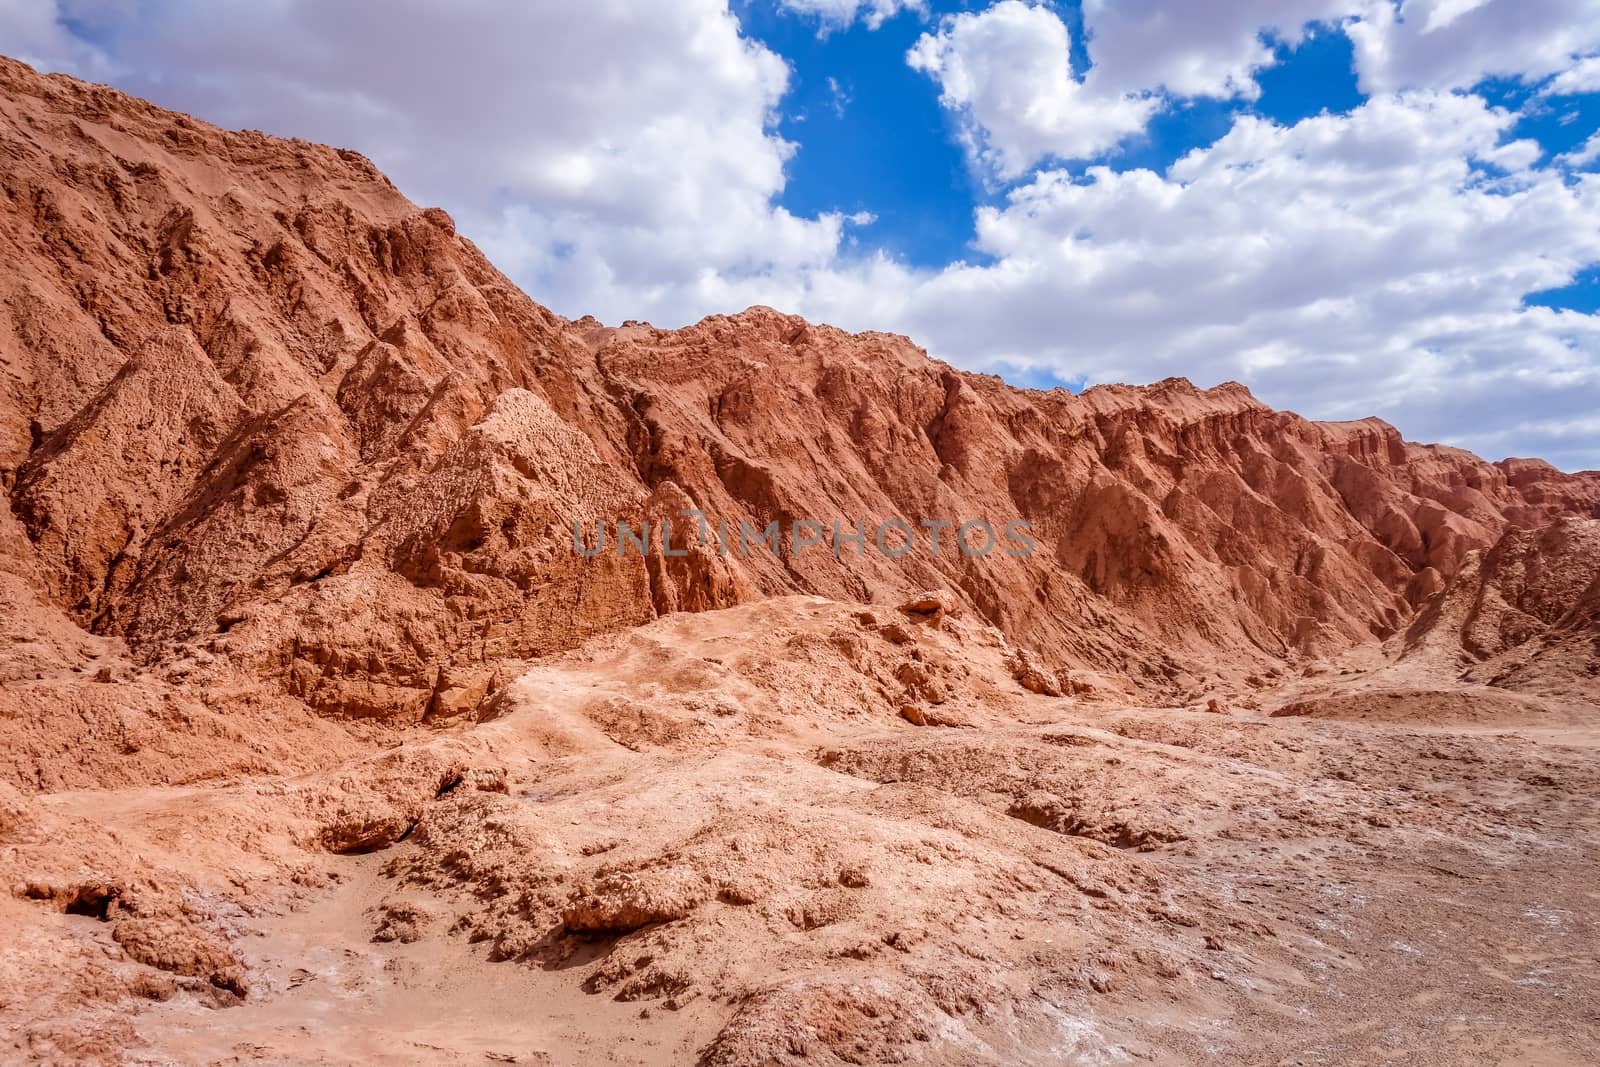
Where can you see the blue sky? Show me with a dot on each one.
(873, 137)
(1355, 207)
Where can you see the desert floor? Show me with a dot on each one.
(704, 839)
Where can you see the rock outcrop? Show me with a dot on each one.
(260, 411)
(377, 645)
(1523, 614)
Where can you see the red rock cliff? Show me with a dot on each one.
(258, 410)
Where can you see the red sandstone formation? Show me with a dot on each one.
(292, 473)
(258, 406)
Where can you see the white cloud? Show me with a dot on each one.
(838, 14)
(1347, 266)
(1581, 77)
(1587, 153)
(1007, 71)
(1455, 44)
(839, 96)
(612, 153)
(1212, 49)
(34, 32)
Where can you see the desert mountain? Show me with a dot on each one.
(258, 407)
(298, 651)
(1523, 615)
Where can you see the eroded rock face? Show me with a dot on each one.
(259, 407)
(1523, 614)
(278, 447)
(181, 948)
(96, 490)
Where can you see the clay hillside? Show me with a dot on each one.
(292, 605)
(262, 411)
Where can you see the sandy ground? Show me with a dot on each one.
(718, 839)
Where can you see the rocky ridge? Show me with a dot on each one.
(257, 410)
(311, 708)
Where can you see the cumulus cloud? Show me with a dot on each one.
(35, 32)
(1585, 154)
(1007, 71)
(1455, 44)
(1581, 77)
(1373, 263)
(1216, 49)
(614, 155)
(838, 14)
(1212, 50)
